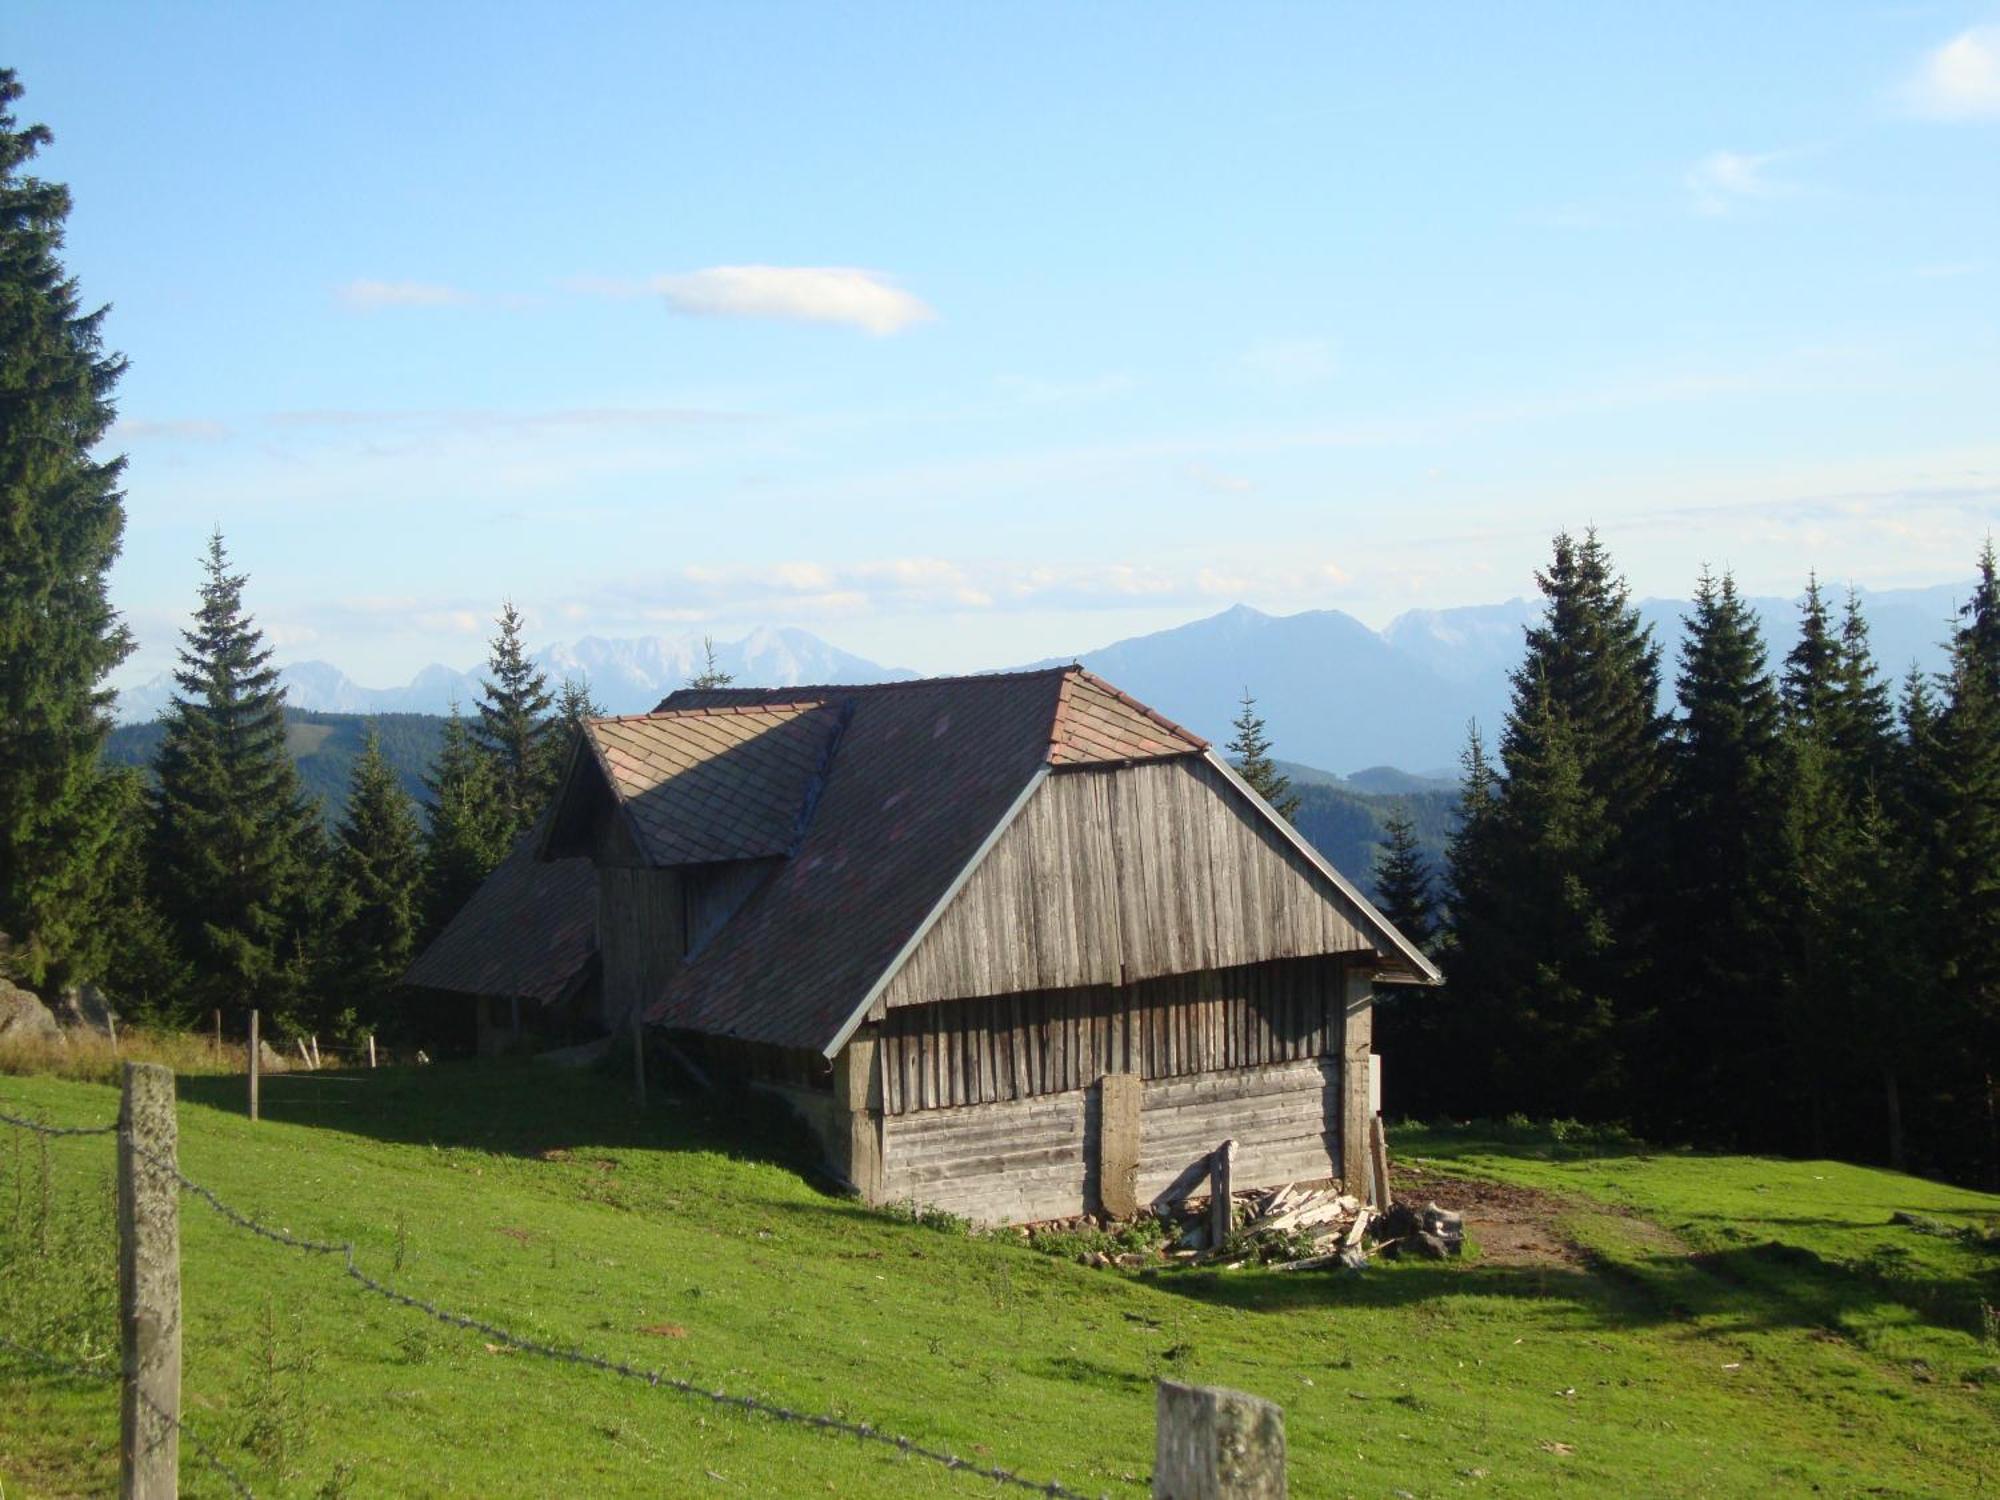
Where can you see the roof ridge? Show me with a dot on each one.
(882, 687)
(705, 708)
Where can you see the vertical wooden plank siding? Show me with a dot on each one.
(1112, 875)
(1020, 1046)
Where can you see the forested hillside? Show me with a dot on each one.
(325, 748)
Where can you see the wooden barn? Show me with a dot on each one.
(524, 949)
(1015, 945)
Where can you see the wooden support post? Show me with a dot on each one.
(111, 1024)
(371, 1051)
(1356, 1044)
(638, 1057)
(218, 1033)
(856, 1146)
(1118, 1096)
(1378, 1156)
(149, 1286)
(1216, 1444)
(256, 1063)
(1221, 1183)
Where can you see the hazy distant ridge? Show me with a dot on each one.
(1333, 692)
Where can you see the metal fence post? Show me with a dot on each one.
(149, 1286)
(1216, 1444)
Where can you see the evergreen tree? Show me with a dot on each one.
(61, 517)
(574, 708)
(711, 674)
(469, 829)
(1966, 883)
(1979, 637)
(1721, 1039)
(514, 725)
(238, 851)
(1845, 982)
(379, 863)
(1250, 751)
(1403, 881)
(1557, 890)
(1812, 666)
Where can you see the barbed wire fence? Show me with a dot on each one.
(1199, 1425)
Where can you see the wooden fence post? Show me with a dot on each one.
(149, 1286)
(371, 1051)
(256, 1063)
(1221, 1207)
(218, 1033)
(1216, 1444)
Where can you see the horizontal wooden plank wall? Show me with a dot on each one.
(1111, 875)
(1008, 1047)
(1030, 1159)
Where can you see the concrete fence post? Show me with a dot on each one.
(149, 1286)
(1216, 1444)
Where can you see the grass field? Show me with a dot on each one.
(1711, 1325)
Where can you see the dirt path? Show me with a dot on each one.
(1512, 1226)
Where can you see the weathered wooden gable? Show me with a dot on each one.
(1108, 876)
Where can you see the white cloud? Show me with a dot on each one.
(1723, 179)
(369, 296)
(799, 294)
(1961, 79)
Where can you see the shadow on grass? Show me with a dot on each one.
(518, 1107)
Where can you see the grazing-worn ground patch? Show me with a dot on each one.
(1639, 1323)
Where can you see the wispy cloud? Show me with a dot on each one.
(795, 294)
(371, 296)
(1946, 270)
(1960, 80)
(189, 429)
(1723, 180)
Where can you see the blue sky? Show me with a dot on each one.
(968, 335)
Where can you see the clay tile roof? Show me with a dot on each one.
(923, 772)
(529, 930)
(1096, 724)
(717, 783)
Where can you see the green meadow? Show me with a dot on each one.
(1701, 1325)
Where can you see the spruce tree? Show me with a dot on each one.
(1967, 869)
(1250, 750)
(238, 850)
(378, 860)
(1720, 1038)
(1556, 895)
(469, 831)
(515, 727)
(711, 674)
(1841, 869)
(1403, 884)
(573, 707)
(63, 516)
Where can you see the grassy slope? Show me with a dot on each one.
(1421, 1378)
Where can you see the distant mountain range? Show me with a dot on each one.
(626, 676)
(1332, 691)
